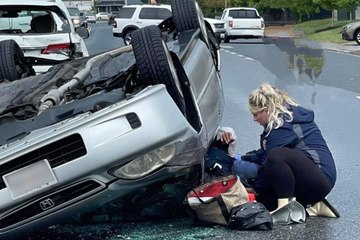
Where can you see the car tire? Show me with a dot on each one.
(13, 65)
(127, 36)
(357, 36)
(187, 15)
(154, 62)
(226, 39)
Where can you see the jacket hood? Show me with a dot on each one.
(302, 115)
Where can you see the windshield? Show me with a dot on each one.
(22, 20)
(74, 11)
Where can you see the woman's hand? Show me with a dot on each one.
(226, 138)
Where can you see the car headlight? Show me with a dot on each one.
(347, 26)
(146, 164)
(76, 21)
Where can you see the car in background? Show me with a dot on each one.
(90, 16)
(351, 32)
(102, 16)
(218, 27)
(35, 35)
(133, 17)
(90, 133)
(78, 18)
(242, 22)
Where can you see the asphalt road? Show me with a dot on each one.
(324, 80)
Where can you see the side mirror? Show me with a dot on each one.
(82, 32)
(217, 17)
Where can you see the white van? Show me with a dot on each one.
(242, 22)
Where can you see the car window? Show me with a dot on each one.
(21, 20)
(126, 12)
(114, 9)
(154, 13)
(242, 13)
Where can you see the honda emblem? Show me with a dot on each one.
(47, 204)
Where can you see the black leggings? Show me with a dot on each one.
(289, 173)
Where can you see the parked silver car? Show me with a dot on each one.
(351, 32)
(101, 130)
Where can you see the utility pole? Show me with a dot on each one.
(225, 3)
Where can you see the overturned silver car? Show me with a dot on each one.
(97, 130)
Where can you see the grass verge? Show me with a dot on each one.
(322, 30)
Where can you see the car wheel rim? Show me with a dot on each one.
(19, 66)
(128, 39)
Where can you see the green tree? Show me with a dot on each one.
(349, 4)
(298, 7)
(333, 5)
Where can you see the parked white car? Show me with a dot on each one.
(39, 34)
(242, 22)
(132, 17)
(90, 16)
(102, 16)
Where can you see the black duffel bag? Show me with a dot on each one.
(250, 216)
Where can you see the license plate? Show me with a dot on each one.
(222, 35)
(29, 179)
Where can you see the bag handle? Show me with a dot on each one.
(221, 203)
(223, 208)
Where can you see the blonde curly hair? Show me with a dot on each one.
(275, 101)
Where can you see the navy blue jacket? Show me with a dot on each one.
(301, 134)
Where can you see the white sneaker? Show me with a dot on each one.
(322, 209)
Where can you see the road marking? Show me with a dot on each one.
(239, 55)
(226, 46)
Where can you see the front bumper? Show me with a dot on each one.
(110, 141)
(220, 34)
(346, 36)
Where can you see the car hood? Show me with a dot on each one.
(353, 24)
(214, 21)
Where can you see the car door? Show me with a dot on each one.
(207, 88)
